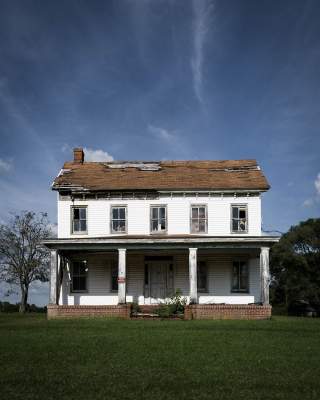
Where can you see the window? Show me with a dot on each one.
(118, 219)
(240, 277)
(79, 219)
(199, 219)
(202, 276)
(239, 219)
(158, 219)
(114, 277)
(79, 276)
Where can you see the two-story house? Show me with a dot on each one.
(136, 231)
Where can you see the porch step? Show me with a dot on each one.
(141, 315)
(148, 308)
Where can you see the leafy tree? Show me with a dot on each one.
(23, 259)
(295, 264)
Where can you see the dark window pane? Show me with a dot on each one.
(82, 268)
(234, 225)
(202, 226)
(242, 213)
(234, 212)
(115, 213)
(202, 212)
(122, 213)
(146, 274)
(82, 283)
(194, 212)
(83, 213)
(154, 213)
(163, 224)
(154, 225)
(75, 268)
(83, 225)
(195, 226)
(162, 212)
(122, 226)
(76, 225)
(242, 225)
(76, 213)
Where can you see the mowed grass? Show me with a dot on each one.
(113, 359)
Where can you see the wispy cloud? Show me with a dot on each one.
(315, 199)
(162, 133)
(97, 155)
(5, 166)
(202, 10)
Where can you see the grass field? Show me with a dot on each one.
(110, 359)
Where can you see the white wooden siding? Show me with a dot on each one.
(219, 280)
(178, 209)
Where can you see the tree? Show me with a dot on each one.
(295, 264)
(23, 258)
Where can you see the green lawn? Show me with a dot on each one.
(111, 359)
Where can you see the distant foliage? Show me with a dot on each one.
(295, 265)
(7, 307)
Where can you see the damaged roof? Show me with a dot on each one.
(161, 176)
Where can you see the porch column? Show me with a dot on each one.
(264, 275)
(193, 275)
(53, 293)
(121, 276)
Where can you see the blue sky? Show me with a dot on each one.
(161, 80)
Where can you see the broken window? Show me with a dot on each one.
(118, 219)
(199, 219)
(158, 219)
(239, 218)
(79, 276)
(202, 276)
(79, 219)
(240, 277)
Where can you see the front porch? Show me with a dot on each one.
(110, 277)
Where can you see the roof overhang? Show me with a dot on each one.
(168, 242)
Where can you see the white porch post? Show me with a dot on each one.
(264, 275)
(53, 294)
(193, 275)
(121, 276)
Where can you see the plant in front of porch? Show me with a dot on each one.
(173, 307)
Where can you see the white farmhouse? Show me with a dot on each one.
(137, 231)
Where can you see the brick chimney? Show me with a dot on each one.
(78, 155)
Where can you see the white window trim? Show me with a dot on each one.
(112, 232)
(245, 206)
(166, 219)
(72, 232)
(206, 218)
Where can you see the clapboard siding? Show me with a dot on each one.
(178, 215)
(219, 280)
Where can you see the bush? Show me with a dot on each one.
(174, 306)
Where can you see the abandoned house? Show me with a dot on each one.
(137, 231)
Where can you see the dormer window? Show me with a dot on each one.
(79, 219)
(158, 219)
(239, 215)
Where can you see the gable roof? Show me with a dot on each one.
(161, 175)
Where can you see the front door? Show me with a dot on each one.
(158, 281)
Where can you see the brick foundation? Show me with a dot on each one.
(118, 311)
(227, 311)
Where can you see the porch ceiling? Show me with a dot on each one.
(161, 242)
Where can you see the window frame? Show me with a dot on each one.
(247, 289)
(73, 232)
(205, 289)
(243, 206)
(86, 290)
(165, 206)
(125, 206)
(206, 217)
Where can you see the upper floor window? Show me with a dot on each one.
(202, 276)
(79, 219)
(199, 219)
(240, 277)
(79, 276)
(158, 219)
(239, 221)
(118, 219)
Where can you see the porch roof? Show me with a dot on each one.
(141, 242)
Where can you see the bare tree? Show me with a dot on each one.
(23, 258)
